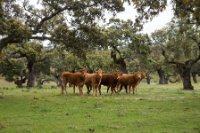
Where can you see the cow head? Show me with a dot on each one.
(118, 74)
(99, 72)
(143, 75)
(83, 71)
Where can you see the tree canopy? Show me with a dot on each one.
(64, 21)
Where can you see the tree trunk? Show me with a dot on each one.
(162, 77)
(148, 78)
(119, 61)
(122, 65)
(31, 74)
(184, 71)
(187, 85)
(31, 79)
(8, 40)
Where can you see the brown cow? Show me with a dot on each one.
(130, 80)
(109, 80)
(75, 79)
(140, 76)
(92, 81)
(88, 81)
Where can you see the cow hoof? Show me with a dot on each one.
(91, 130)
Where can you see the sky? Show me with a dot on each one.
(157, 23)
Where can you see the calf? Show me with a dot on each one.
(75, 79)
(93, 80)
(138, 76)
(109, 80)
(88, 81)
(130, 80)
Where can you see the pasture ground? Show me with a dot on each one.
(153, 109)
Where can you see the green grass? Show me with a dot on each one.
(153, 109)
(4, 83)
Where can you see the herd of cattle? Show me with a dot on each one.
(93, 81)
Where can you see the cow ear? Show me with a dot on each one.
(145, 71)
(83, 70)
(97, 71)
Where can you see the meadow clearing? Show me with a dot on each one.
(153, 109)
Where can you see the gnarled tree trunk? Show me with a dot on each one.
(184, 71)
(119, 61)
(31, 74)
(148, 78)
(162, 76)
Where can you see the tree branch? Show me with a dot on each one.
(174, 62)
(43, 20)
(17, 54)
(7, 40)
(42, 38)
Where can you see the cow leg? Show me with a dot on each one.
(113, 90)
(62, 89)
(136, 85)
(88, 89)
(65, 89)
(108, 88)
(62, 86)
(93, 89)
(120, 88)
(129, 89)
(80, 90)
(99, 88)
(133, 88)
(125, 86)
(117, 87)
(74, 88)
(94, 92)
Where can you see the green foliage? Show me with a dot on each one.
(66, 61)
(100, 60)
(177, 44)
(15, 29)
(130, 45)
(12, 68)
(74, 24)
(196, 68)
(158, 42)
(180, 47)
(187, 10)
(16, 60)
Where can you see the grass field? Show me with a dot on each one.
(153, 109)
